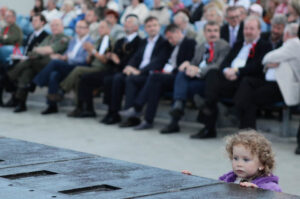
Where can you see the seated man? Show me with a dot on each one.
(62, 65)
(96, 56)
(233, 30)
(275, 37)
(124, 49)
(22, 74)
(159, 82)
(281, 80)
(150, 56)
(10, 35)
(33, 40)
(244, 59)
(191, 77)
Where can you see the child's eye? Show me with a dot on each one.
(235, 158)
(246, 159)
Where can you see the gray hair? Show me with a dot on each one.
(292, 29)
(253, 18)
(182, 16)
(279, 19)
(217, 10)
(136, 20)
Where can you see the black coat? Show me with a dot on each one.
(225, 32)
(29, 45)
(253, 65)
(126, 50)
(266, 36)
(196, 16)
(186, 51)
(159, 55)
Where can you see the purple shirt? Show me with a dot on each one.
(265, 182)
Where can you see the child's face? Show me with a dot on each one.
(244, 164)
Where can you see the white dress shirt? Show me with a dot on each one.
(148, 52)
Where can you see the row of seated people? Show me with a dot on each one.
(144, 69)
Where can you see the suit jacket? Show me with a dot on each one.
(288, 73)
(185, 52)
(221, 49)
(225, 32)
(196, 16)
(267, 37)
(29, 45)
(125, 51)
(159, 55)
(253, 65)
(80, 58)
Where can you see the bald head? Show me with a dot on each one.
(56, 26)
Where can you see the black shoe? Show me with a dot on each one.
(50, 110)
(20, 108)
(12, 102)
(297, 151)
(143, 126)
(170, 128)
(87, 114)
(30, 87)
(113, 119)
(75, 113)
(104, 120)
(204, 133)
(130, 122)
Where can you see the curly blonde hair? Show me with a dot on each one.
(257, 144)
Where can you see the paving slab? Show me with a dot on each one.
(15, 153)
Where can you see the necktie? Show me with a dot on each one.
(32, 37)
(211, 52)
(232, 37)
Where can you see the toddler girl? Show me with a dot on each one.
(252, 161)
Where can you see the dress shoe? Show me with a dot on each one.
(143, 126)
(204, 133)
(131, 112)
(50, 110)
(75, 113)
(170, 128)
(105, 118)
(113, 119)
(30, 87)
(20, 108)
(130, 122)
(85, 114)
(297, 151)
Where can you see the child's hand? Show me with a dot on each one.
(248, 184)
(186, 172)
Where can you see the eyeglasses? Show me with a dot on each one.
(81, 27)
(233, 17)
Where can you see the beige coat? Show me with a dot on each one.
(287, 74)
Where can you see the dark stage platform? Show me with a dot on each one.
(35, 171)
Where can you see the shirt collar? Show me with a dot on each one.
(154, 39)
(131, 36)
(82, 39)
(254, 42)
(38, 32)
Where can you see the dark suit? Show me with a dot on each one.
(197, 14)
(225, 34)
(124, 50)
(217, 86)
(158, 83)
(267, 37)
(32, 41)
(133, 83)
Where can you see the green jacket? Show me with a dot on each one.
(97, 63)
(12, 37)
(59, 44)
